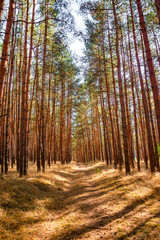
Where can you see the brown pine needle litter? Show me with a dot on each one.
(79, 201)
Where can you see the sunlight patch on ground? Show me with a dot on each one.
(80, 202)
(138, 192)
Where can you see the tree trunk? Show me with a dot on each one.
(43, 127)
(120, 156)
(62, 118)
(123, 112)
(1, 8)
(8, 103)
(134, 102)
(154, 82)
(3, 65)
(103, 112)
(109, 102)
(150, 110)
(23, 167)
(27, 85)
(157, 3)
(129, 122)
(144, 99)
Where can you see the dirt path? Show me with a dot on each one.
(80, 202)
(101, 204)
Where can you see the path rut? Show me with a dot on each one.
(108, 206)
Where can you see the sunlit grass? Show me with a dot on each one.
(25, 203)
(80, 202)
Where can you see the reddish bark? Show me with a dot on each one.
(62, 117)
(23, 165)
(157, 3)
(1, 8)
(144, 99)
(150, 110)
(154, 82)
(3, 66)
(134, 102)
(123, 112)
(103, 112)
(119, 145)
(28, 73)
(114, 147)
(9, 102)
(43, 89)
(128, 118)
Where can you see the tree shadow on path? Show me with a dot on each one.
(85, 195)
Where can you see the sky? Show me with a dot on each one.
(77, 46)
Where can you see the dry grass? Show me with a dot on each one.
(80, 202)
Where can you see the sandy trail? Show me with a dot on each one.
(102, 204)
(73, 202)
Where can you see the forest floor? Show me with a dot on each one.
(80, 202)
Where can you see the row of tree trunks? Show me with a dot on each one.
(42, 117)
(145, 104)
(153, 79)
(123, 111)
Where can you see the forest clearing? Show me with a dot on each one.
(80, 201)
